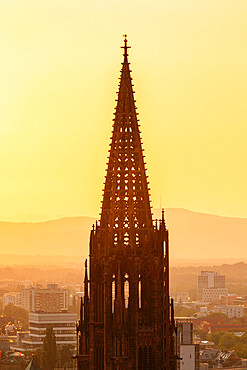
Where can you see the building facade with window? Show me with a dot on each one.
(211, 286)
(63, 323)
(49, 299)
(188, 351)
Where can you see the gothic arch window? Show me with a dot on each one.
(113, 292)
(137, 239)
(139, 292)
(145, 295)
(126, 290)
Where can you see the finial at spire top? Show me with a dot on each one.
(125, 47)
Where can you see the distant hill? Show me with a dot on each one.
(192, 236)
(66, 236)
(202, 236)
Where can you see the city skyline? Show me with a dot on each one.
(60, 60)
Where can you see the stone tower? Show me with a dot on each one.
(125, 316)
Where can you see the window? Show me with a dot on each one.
(113, 292)
(126, 290)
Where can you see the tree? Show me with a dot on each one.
(217, 315)
(243, 339)
(49, 352)
(17, 313)
(241, 350)
(181, 311)
(202, 334)
(38, 356)
(75, 308)
(65, 355)
(215, 337)
(228, 341)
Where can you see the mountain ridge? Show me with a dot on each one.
(193, 235)
(155, 212)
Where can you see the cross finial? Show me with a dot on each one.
(125, 47)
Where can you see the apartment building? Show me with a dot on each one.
(230, 310)
(49, 299)
(211, 286)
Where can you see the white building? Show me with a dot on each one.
(211, 286)
(35, 299)
(213, 294)
(188, 351)
(230, 310)
(11, 298)
(178, 297)
(26, 298)
(63, 323)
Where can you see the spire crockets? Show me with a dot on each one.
(126, 210)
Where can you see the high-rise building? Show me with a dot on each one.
(211, 286)
(49, 299)
(125, 322)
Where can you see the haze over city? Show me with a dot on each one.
(59, 67)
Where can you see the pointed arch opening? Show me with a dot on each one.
(139, 292)
(126, 290)
(113, 292)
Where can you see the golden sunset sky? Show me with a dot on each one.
(59, 69)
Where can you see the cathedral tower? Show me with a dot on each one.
(125, 317)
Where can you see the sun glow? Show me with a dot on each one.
(59, 67)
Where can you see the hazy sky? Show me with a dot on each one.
(59, 69)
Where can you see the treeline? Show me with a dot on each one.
(14, 314)
(229, 342)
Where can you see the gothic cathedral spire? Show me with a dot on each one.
(125, 323)
(126, 210)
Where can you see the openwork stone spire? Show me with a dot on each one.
(125, 322)
(126, 210)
